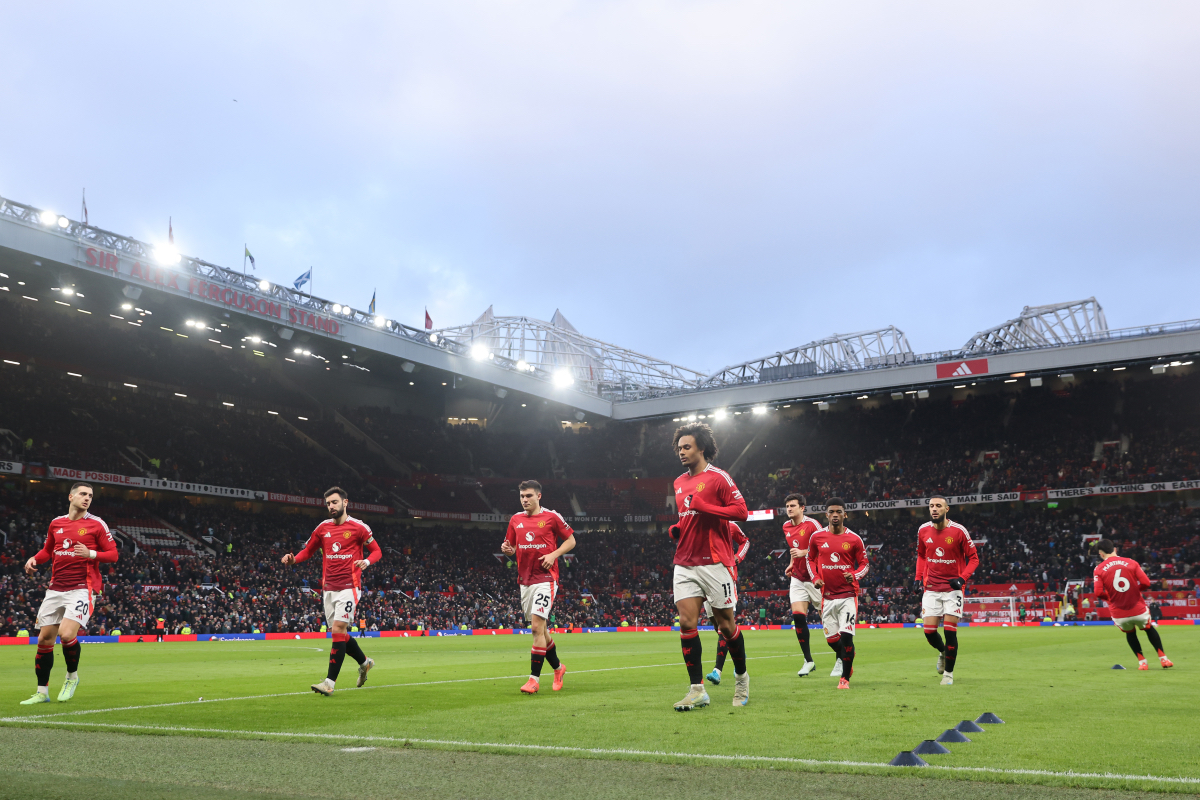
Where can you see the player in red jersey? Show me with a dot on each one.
(837, 561)
(704, 561)
(533, 537)
(341, 540)
(1120, 581)
(946, 560)
(741, 546)
(797, 531)
(76, 544)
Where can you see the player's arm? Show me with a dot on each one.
(304, 555)
(374, 553)
(562, 530)
(967, 569)
(1098, 588)
(729, 503)
(741, 545)
(41, 556)
(106, 548)
(508, 547)
(861, 566)
(1143, 579)
(814, 568)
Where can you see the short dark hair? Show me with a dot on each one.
(1106, 546)
(339, 491)
(77, 484)
(537, 487)
(940, 497)
(835, 501)
(799, 498)
(703, 436)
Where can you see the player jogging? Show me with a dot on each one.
(533, 537)
(801, 592)
(76, 545)
(837, 561)
(1119, 581)
(704, 562)
(946, 560)
(341, 540)
(741, 546)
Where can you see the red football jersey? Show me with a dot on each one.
(945, 554)
(797, 536)
(739, 542)
(703, 534)
(341, 545)
(68, 571)
(1120, 581)
(535, 536)
(840, 560)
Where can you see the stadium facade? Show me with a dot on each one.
(551, 360)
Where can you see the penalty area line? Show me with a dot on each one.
(601, 751)
(89, 711)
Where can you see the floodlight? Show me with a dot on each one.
(48, 217)
(167, 255)
(379, 322)
(264, 285)
(479, 352)
(759, 410)
(337, 308)
(563, 378)
(63, 222)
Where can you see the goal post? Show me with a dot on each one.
(991, 608)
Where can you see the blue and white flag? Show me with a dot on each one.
(371, 310)
(303, 279)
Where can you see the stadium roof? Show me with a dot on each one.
(555, 361)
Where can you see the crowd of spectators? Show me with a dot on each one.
(441, 577)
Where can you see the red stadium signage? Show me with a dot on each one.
(962, 369)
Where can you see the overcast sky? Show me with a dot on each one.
(706, 182)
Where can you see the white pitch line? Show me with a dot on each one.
(620, 751)
(357, 688)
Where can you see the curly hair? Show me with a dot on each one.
(703, 436)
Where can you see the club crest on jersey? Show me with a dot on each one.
(949, 540)
(700, 486)
(82, 531)
(346, 534)
(833, 557)
(529, 537)
(845, 545)
(542, 523)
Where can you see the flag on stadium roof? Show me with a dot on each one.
(85, 216)
(371, 308)
(428, 321)
(305, 277)
(249, 256)
(170, 232)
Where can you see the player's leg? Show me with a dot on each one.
(689, 600)
(355, 651)
(1132, 638)
(1156, 642)
(798, 595)
(339, 610)
(726, 622)
(551, 648)
(846, 620)
(950, 626)
(714, 677)
(68, 631)
(537, 654)
(43, 663)
(931, 611)
(829, 627)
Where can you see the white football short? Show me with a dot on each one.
(714, 582)
(1133, 623)
(838, 616)
(74, 605)
(939, 604)
(538, 599)
(340, 605)
(804, 592)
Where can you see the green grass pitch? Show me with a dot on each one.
(444, 718)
